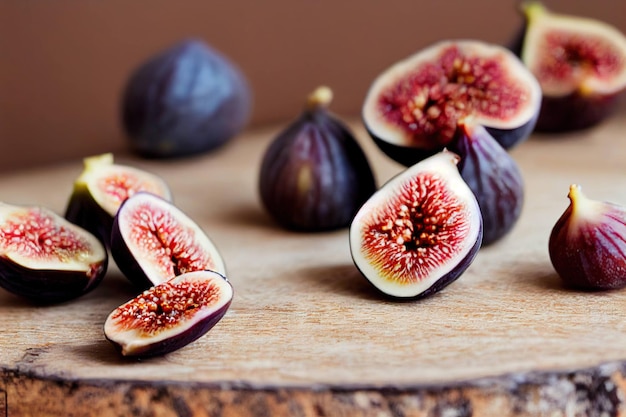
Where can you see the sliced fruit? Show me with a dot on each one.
(314, 176)
(414, 108)
(102, 187)
(44, 257)
(580, 64)
(153, 241)
(170, 315)
(420, 231)
(587, 244)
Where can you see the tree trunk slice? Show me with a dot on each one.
(306, 334)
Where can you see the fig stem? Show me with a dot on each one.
(580, 203)
(320, 98)
(533, 9)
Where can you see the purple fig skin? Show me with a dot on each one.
(575, 112)
(314, 176)
(494, 177)
(587, 245)
(419, 232)
(83, 211)
(49, 286)
(188, 99)
(175, 341)
(415, 108)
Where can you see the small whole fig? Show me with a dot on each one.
(494, 177)
(580, 64)
(420, 231)
(45, 258)
(587, 244)
(314, 176)
(169, 316)
(102, 187)
(153, 241)
(186, 100)
(413, 109)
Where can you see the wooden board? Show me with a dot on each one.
(307, 335)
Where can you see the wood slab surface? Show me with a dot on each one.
(307, 335)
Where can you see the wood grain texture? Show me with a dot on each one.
(306, 335)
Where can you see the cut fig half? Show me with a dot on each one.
(420, 231)
(45, 258)
(413, 109)
(169, 316)
(580, 64)
(153, 241)
(102, 187)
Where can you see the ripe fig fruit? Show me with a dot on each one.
(169, 316)
(314, 176)
(186, 100)
(45, 258)
(580, 64)
(153, 241)
(420, 231)
(413, 109)
(100, 190)
(587, 244)
(494, 177)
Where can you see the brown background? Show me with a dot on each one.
(63, 63)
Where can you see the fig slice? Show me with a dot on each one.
(587, 245)
(45, 258)
(420, 231)
(101, 188)
(170, 315)
(314, 176)
(153, 241)
(413, 109)
(494, 177)
(580, 64)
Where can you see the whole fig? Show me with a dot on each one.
(314, 176)
(186, 100)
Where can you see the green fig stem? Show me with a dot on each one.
(582, 206)
(534, 9)
(320, 98)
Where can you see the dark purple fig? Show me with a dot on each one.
(45, 258)
(314, 176)
(587, 244)
(153, 241)
(169, 316)
(100, 190)
(186, 100)
(414, 108)
(580, 64)
(494, 177)
(420, 231)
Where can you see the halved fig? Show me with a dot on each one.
(420, 231)
(580, 64)
(102, 187)
(169, 316)
(494, 177)
(153, 241)
(44, 257)
(314, 176)
(413, 109)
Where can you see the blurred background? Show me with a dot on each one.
(63, 64)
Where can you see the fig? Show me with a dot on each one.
(314, 176)
(420, 231)
(170, 315)
(45, 258)
(580, 64)
(494, 177)
(185, 100)
(153, 241)
(587, 245)
(100, 190)
(413, 109)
